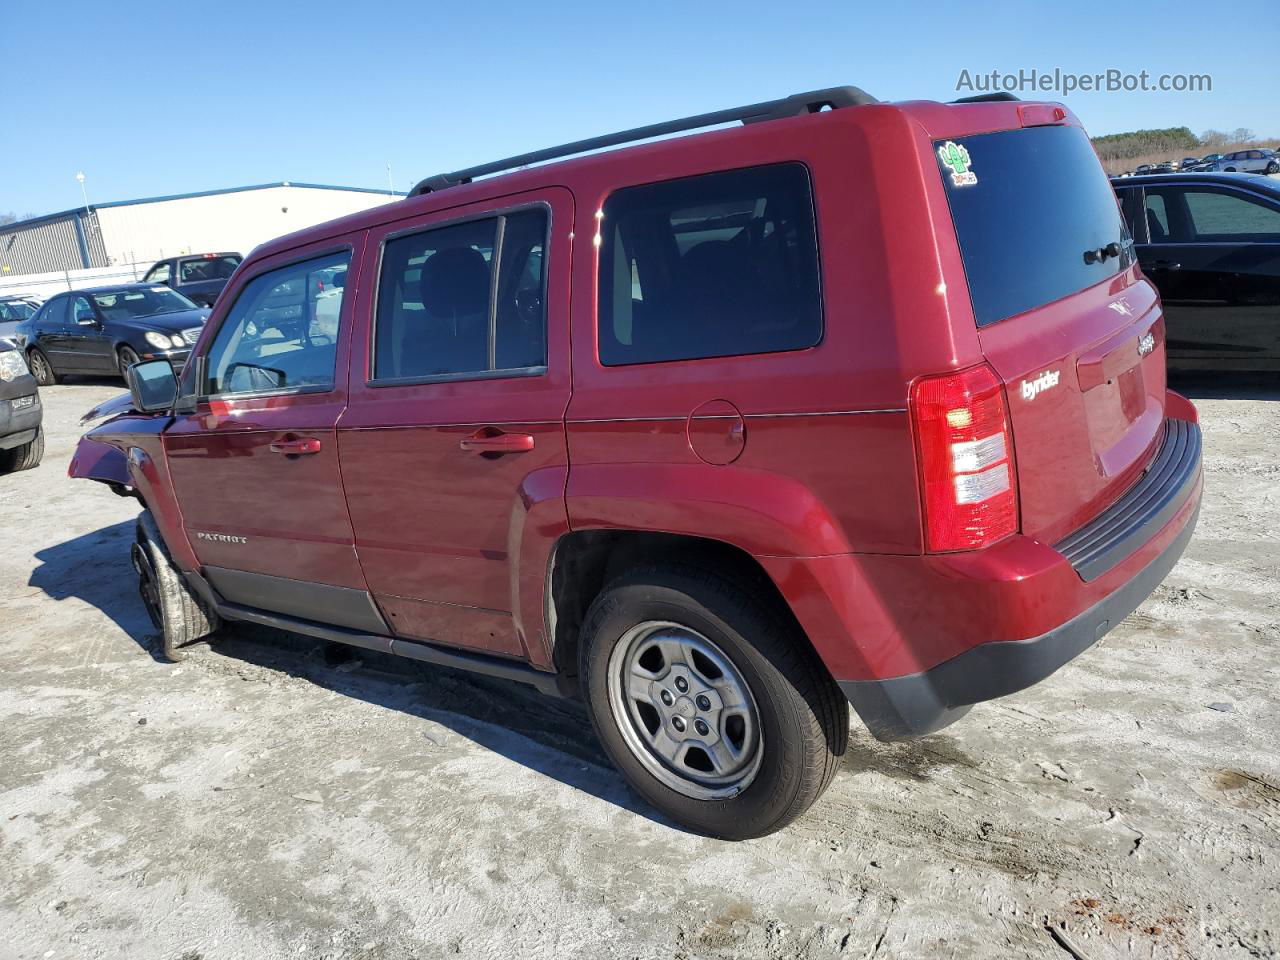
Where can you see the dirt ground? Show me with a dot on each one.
(267, 798)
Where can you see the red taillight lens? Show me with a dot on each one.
(965, 449)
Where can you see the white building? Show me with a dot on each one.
(139, 231)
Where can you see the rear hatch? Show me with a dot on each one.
(1063, 317)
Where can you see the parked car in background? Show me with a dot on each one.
(13, 310)
(102, 331)
(1166, 166)
(199, 277)
(1187, 163)
(1141, 169)
(1211, 244)
(1249, 161)
(769, 465)
(21, 432)
(1204, 164)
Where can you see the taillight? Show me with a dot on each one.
(966, 459)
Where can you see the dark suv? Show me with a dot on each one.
(199, 278)
(856, 403)
(21, 433)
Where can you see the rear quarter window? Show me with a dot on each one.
(1037, 200)
(719, 265)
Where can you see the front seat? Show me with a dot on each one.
(452, 336)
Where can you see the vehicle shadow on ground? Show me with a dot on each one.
(95, 568)
(1209, 385)
(549, 736)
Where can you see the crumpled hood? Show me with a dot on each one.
(122, 403)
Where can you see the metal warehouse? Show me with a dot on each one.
(139, 231)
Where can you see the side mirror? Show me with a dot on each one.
(152, 385)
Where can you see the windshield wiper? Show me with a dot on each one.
(1100, 255)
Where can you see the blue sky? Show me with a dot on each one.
(157, 98)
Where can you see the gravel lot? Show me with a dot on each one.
(268, 798)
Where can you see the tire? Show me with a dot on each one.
(126, 357)
(1273, 167)
(25, 457)
(41, 368)
(1229, 170)
(173, 607)
(779, 722)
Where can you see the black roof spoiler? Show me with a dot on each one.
(987, 98)
(833, 98)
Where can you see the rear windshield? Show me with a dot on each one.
(207, 268)
(1032, 209)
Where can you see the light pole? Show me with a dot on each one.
(83, 193)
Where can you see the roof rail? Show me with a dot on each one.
(812, 102)
(1001, 97)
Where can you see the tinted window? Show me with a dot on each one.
(719, 265)
(55, 313)
(199, 269)
(1230, 216)
(439, 312)
(281, 332)
(1036, 201)
(1157, 218)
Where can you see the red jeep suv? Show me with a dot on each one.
(850, 403)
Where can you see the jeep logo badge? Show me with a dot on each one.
(1033, 388)
(1146, 344)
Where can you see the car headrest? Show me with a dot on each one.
(455, 282)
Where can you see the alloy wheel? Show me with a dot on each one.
(685, 710)
(40, 367)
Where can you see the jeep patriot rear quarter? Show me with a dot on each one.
(854, 405)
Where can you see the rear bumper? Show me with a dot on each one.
(915, 641)
(922, 703)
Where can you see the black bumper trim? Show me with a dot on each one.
(921, 703)
(1110, 539)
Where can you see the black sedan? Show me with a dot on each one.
(101, 332)
(1210, 242)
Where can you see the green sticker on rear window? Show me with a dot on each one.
(956, 159)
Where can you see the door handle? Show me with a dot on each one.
(487, 442)
(1164, 265)
(296, 447)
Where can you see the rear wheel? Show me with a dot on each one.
(42, 369)
(710, 701)
(24, 457)
(126, 357)
(173, 607)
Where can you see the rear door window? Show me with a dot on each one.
(720, 265)
(55, 313)
(1027, 205)
(445, 311)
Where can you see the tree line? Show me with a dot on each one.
(1169, 141)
